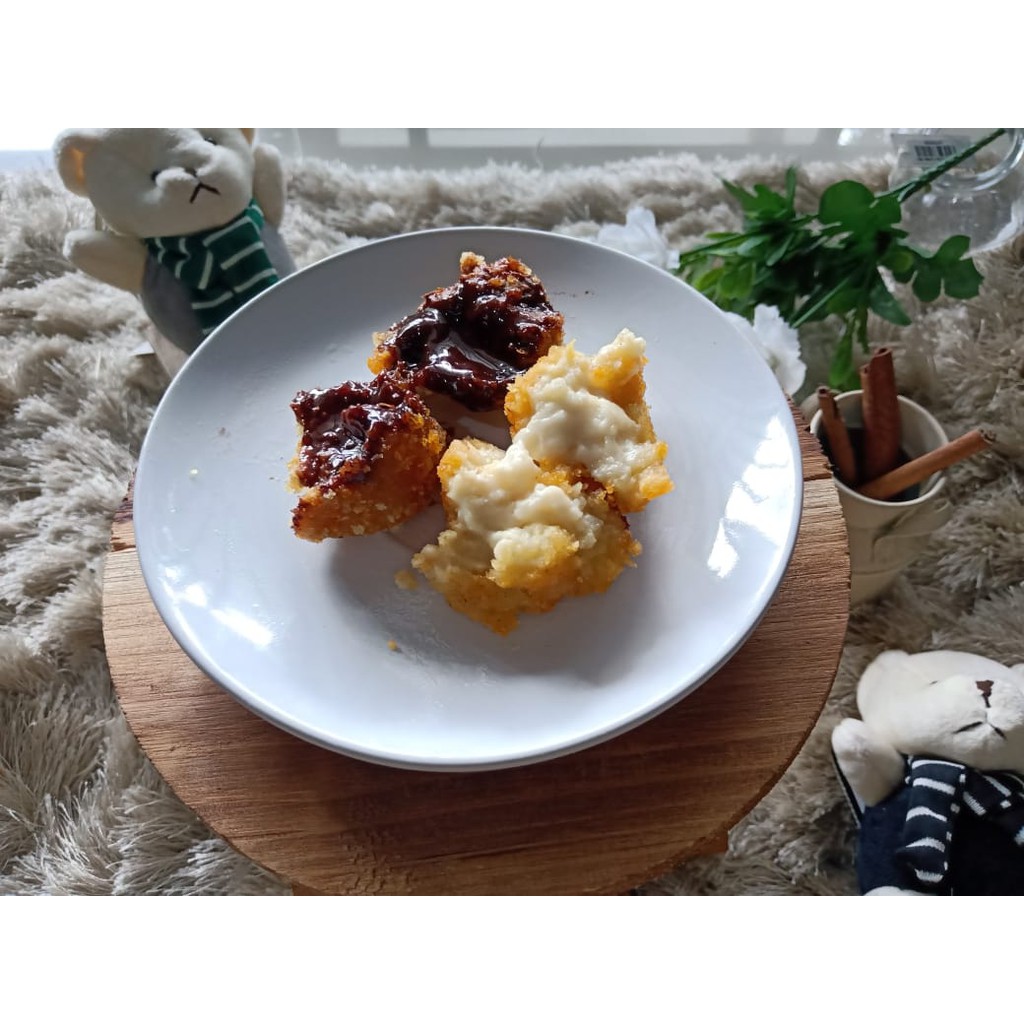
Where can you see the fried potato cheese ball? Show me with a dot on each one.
(544, 519)
(589, 413)
(520, 538)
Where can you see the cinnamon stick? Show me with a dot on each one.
(840, 448)
(921, 468)
(880, 410)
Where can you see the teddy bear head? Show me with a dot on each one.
(947, 704)
(153, 182)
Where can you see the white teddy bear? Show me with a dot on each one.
(189, 222)
(935, 771)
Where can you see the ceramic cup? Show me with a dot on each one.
(886, 536)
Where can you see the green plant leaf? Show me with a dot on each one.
(885, 211)
(762, 205)
(771, 206)
(962, 280)
(885, 304)
(750, 245)
(815, 306)
(707, 280)
(842, 375)
(952, 249)
(736, 281)
(843, 301)
(928, 282)
(779, 251)
(790, 185)
(845, 203)
(901, 261)
(748, 201)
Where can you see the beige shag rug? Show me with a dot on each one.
(82, 810)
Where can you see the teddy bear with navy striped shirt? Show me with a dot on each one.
(934, 770)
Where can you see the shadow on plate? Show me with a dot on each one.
(588, 640)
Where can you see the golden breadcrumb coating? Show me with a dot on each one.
(589, 413)
(520, 538)
(366, 460)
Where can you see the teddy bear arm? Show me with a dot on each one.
(114, 259)
(268, 183)
(873, 768)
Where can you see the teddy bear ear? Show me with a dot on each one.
(880, 672)
(69, 152)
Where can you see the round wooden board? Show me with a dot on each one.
(596, 822)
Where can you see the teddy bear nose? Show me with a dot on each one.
(985, 685)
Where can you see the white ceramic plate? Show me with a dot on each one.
(302, 633)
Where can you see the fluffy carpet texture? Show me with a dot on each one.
(82, 811)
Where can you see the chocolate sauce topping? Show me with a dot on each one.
(344, 428)
(470, 339)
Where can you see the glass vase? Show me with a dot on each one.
(982, 198)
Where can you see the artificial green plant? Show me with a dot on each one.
(830, 263)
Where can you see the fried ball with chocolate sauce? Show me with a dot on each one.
(366, 460)
(469, 340)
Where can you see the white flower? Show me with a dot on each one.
(777, 342)
(640, 237)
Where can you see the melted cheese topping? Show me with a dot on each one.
(505, 510)
(581, 414)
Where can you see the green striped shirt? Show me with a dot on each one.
(222, 269)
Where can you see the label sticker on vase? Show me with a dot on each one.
(929, 150)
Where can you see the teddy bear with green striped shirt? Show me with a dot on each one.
(187, 219)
